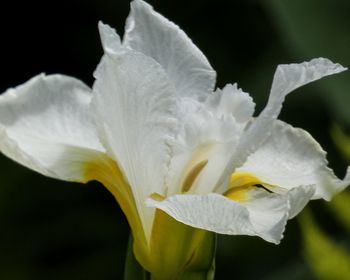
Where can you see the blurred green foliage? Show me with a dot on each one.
(57, 230)
(328, 259)
(340, 206)
(342, 141)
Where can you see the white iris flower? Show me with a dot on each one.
(156, 134)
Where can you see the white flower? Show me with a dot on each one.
(156, 135)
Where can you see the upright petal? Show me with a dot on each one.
(45, 124)
(153, 35)
(204, 143)
(136, 105)
(109, 38)
(290, 158)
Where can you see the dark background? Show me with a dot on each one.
(58, 230)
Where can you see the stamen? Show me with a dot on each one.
(192, 175)
(157, 196)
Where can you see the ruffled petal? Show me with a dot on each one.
(136, 107)
(203, 145)
(289, 158)
(231, 101)
(45, 125)
(210, 131)
(153, 35)
(265, 214)
(287, 78)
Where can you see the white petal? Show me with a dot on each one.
(110, 39)
(205, 137)
(289, 158)
(153, 35)
(268, 213)
(287, 78)
(136, 105)
(231, 101)
(298, 198)
(45, 125)
(264, 216)
(210, 132)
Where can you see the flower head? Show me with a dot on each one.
(155, 132)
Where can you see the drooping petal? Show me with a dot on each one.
(287, 78)
(45, 125)
(153, 35)
(265, 214)
(289, 158)
(136, 104)
(268, 213)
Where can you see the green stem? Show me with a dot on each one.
(133, 270)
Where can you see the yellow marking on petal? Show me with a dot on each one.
(240, 185)
(105, 170)
(239, 179)
(192, 175)
(238, 193)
